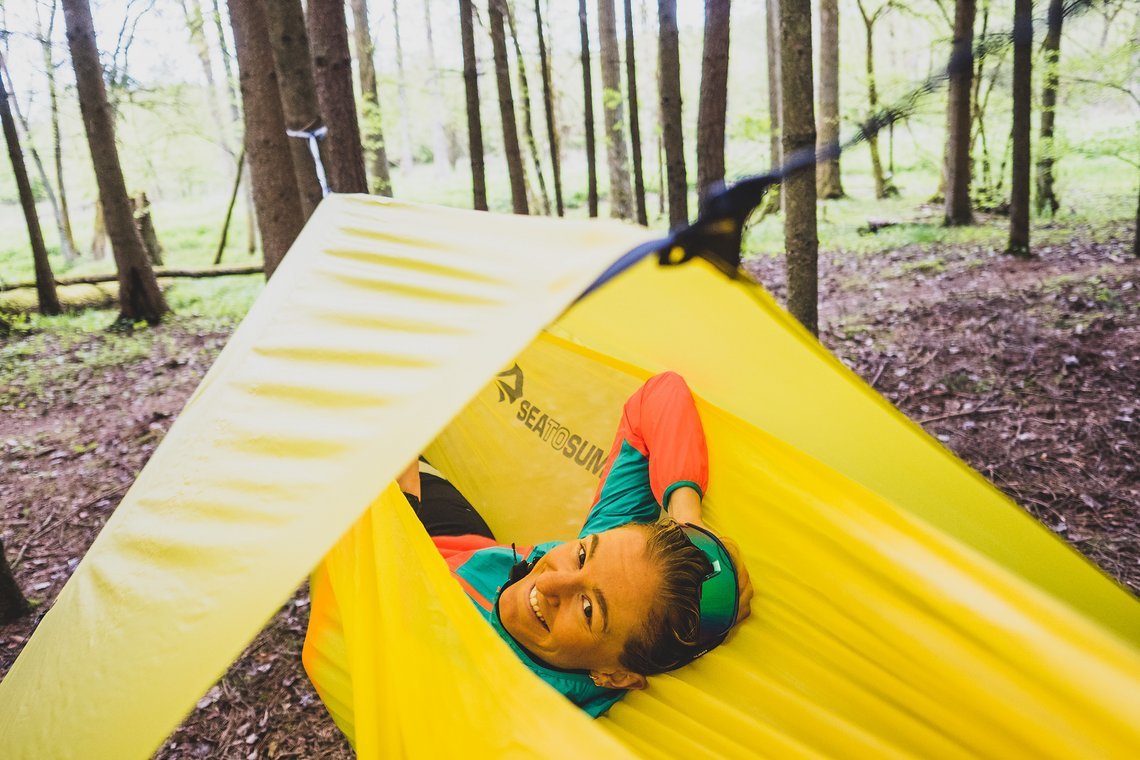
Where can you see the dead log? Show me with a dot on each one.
(95, 279)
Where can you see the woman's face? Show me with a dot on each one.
(582, 600)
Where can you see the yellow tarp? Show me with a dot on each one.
(903, 607)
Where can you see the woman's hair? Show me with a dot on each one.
(668, 639)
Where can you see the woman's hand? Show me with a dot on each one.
(409, 479)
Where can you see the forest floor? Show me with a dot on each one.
(1028, 370)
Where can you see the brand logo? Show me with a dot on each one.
(510, 384)
(587, 455)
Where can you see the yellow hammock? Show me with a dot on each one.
(904, 607)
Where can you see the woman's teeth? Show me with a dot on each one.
(534, 606)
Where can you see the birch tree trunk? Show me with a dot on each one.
(776, 155)
(617, 157)
(588, 102)
(714, 96)
(474, 120)
(274, 184)
(332, 72)
(495, 16)
(669, 69)
(373, 132)
(827, 178)
(798, 119)
(139, 295)
(439, 129)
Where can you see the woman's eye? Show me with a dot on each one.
(587, 609)
(581, 555)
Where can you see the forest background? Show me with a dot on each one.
(1030, 370)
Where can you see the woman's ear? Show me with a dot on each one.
(618, 679)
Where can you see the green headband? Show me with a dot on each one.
(719, 598)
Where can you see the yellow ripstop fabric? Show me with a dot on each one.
(904, 608)
(874, 634)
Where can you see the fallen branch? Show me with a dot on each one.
(95, 279)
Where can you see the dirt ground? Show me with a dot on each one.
(1030, 371)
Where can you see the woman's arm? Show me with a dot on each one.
(409, 479)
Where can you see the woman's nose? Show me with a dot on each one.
(553, 584)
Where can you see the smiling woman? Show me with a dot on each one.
(637, 593)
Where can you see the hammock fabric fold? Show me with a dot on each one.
(904, 607)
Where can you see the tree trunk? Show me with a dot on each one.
(275, 195)
(798, 121)
(1136, 230)
(13, 605)
(669, 64)
(474, 120)
(714, 97)
(370, 113)
(14, 109)
(195, 25)
(332, 72)
(1022, 95)
(588, 89)
(956, 172)
(528, 122)
(515, 168)
(548, 110)
(883, 187)
(827, 178)
(617, 159)
(294, 66)
(139, 296)
(1046, 195)
(98, 234)
(634, 117)
(140, 208)
(774, 198)
(45, 283)
(67, 244)
(439, 131)
(406, 152)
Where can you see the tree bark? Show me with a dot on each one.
(617, 157)
(67, 245)
(883, 187)
(34, 154)
(407, 157)
(275, 194)
(45, 284)
(669, 64)
(1020, 161)
(474, 120)
(140, 208)
(827, 177)
(588, 89)
(776, 156)
(139, 296)
(373, 136)
(548, 110)
(13, 605)
(714, 96)
(957, 170)
(634, 117)
(293, 63)
(1051, 48)
(798, 119)
(495, 14)
(332, 72)
(528, 122)
(439, 131)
